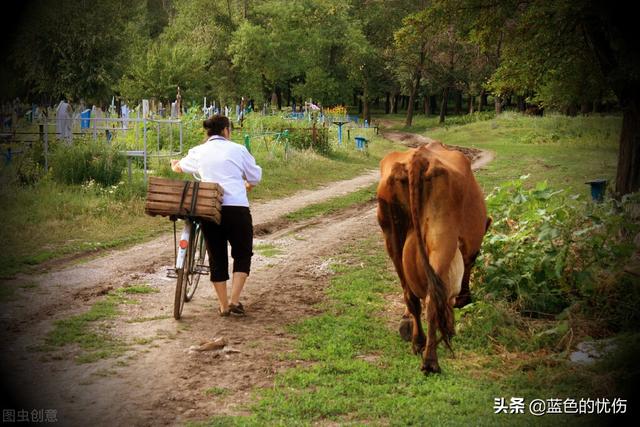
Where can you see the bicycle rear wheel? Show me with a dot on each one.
(197, 254)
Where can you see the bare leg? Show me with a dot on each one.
(221, 291)
(238, 282)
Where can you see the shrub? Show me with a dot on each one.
(88, 160)
(546, 251)
(302, 139)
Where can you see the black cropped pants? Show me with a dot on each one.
(236, 228)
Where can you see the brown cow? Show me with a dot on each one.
(433, 216)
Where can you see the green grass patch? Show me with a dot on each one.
(138, 289)
(217, 391)
(335, 204)
(564, 151)
(87, 330)
(267, 249)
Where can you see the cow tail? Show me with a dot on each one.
(439, 306)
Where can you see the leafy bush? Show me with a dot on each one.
(29, 171)
(545, 251)
(302, 139)
(86, 161)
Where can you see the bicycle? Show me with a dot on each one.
(190, 259)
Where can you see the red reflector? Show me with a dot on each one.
(183, 244)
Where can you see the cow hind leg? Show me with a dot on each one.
(418, 338)
(406, 326)
(430, 356)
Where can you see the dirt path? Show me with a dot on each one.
(157, 380)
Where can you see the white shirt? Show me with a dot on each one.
(227, 163)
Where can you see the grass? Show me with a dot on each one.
(49, 220)
(335, 204)
(83, 330)
(87, 330)
(139, 289)
(267, 249)
(361, 373)
(217, 391)
(565, 151)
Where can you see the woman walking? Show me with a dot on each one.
(234, 168)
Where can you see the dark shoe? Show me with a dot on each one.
(236, 310)
(223, 313)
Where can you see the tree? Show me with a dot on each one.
(611, 36)
(413, 42)
(550, 48)
(74, 49)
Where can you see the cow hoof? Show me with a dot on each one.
(462, 300)
(430, 367)
(418, 347)
(406, 328)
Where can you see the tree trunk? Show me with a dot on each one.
(497, 101)
(585, 108)
(458, 108)
(470, 103)
(412, 96)
(366, 113)
(628, 174)
(387, 106)
(278, 92)
(443, 105)
(394, 105)
(427, 105)
(483, 100)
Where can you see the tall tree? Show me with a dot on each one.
(75, 48)
(551, 45)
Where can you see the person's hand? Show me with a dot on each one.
(248, 186)
(175, 165)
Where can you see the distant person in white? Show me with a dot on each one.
(234, 168)
(63, 120)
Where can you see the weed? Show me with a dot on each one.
(267, 249)
(217, 391)
(138, 289)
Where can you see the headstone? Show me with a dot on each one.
(145, 108)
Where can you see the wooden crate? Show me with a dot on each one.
(163, 198)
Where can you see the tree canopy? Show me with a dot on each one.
(567, 55)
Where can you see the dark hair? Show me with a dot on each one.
(216, 124)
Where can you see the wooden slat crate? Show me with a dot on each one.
(163, 198)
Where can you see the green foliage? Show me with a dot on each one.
(545, 251)
(87, 160)
(159, 68)
(74, 48)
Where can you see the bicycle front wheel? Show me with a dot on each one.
(196, 260)
(181, 281)
(181, 287)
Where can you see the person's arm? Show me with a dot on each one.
(252, 172)
(188, 164)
